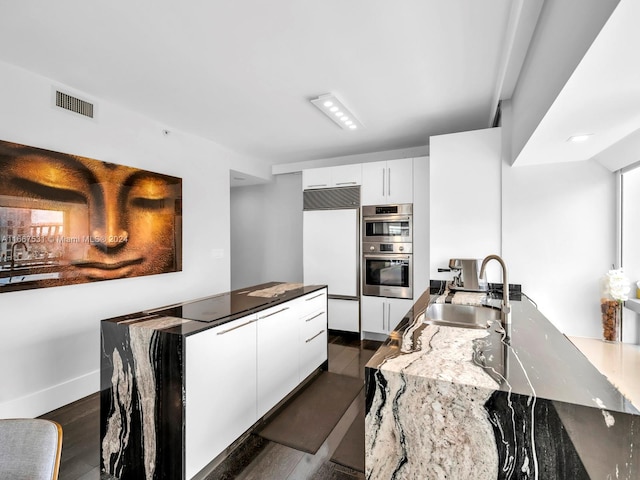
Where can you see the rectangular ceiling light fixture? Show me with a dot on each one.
(333, 108)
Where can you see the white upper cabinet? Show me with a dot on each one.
(329, 177)
(316, 178)
(346, 175)
(387, 182)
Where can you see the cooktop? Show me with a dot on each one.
(214, 308)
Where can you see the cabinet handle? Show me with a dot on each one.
(236, 327)
(388, 316)
(383, 179)
(274, 313)
(347, 183)
(309, 339)
(317, 185)
(383, 319)
(315, 316)
(315, 296)
(389, 181)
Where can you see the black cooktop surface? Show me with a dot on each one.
(215, 308)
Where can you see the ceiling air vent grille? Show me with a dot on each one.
(74, 104)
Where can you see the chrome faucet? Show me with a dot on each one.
(505, 306)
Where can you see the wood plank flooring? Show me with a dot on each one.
(258, 459)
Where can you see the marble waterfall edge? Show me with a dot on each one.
(429, 407)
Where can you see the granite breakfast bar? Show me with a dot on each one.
(458, 403)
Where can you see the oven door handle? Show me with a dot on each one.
(387, 218)
(388, 256)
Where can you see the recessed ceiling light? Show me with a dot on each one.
(579, 138)
(329, 104)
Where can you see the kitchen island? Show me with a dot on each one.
(458, 403)
(180, 384)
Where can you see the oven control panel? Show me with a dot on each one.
(381, 247)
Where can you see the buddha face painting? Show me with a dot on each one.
(68, 219)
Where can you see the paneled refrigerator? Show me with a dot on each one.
(331, 251)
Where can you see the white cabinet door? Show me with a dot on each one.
(278, 333)
(373, 314)
(397, 309)
(316, 178)
(381, 314)
(400, 181)
(328, 177)
(344, 315)
(330, 250)
(220, 389)
(313, 343)
(346, 175)
(374, 183)
(387, 182)
(311, 303)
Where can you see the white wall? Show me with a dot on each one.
(421, 232)
(465, 199)
(559, 237)
(50, 341)
(630, 250)
(553, 224)
(266, 232)
(631, 226)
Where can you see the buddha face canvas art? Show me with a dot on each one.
(67, 219)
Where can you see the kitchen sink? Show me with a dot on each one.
(465, 316)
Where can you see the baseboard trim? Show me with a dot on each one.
(48, 399)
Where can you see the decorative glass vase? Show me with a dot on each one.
(611, 319)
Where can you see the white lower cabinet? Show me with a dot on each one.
(237, 372)
(344, 315)
(220, 389)
(313, 342)
(277, 355)
(381, 314)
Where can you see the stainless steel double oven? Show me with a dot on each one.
(387, 250)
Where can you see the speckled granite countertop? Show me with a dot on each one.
(446, 402)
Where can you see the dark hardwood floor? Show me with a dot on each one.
(257, 459)
(80, 422)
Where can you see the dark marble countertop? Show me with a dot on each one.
(194, 316)
(452, 402)
(535, 360)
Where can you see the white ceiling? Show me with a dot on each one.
(600, 99)
(241, 73)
